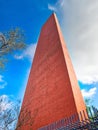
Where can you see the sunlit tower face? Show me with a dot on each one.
(52, 91)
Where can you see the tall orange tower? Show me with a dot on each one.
(52, 91)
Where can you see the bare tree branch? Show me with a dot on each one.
(8, 115)
(10, 42)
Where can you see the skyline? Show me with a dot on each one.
(78, 21)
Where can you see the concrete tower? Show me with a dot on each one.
(52, 91)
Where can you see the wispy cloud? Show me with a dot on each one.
(79, 23)
(57, 6)
(28, 53)
(89, 93)
(1, 78)
(3, 83)
(52, 8)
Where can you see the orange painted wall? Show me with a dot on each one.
(52, 91)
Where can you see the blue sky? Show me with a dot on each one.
(79, 24)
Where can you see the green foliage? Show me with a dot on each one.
(88, 102)
(10, 42)
(91, 109)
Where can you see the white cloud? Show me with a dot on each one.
(89, 93)
(1, 78)
(52, 8)
(79, 23)
(18, 57)
(3, 83)
(29, 52)
(57, 5)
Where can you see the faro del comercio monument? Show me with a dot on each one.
(52, 91)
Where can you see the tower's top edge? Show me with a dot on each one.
(52, 17)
